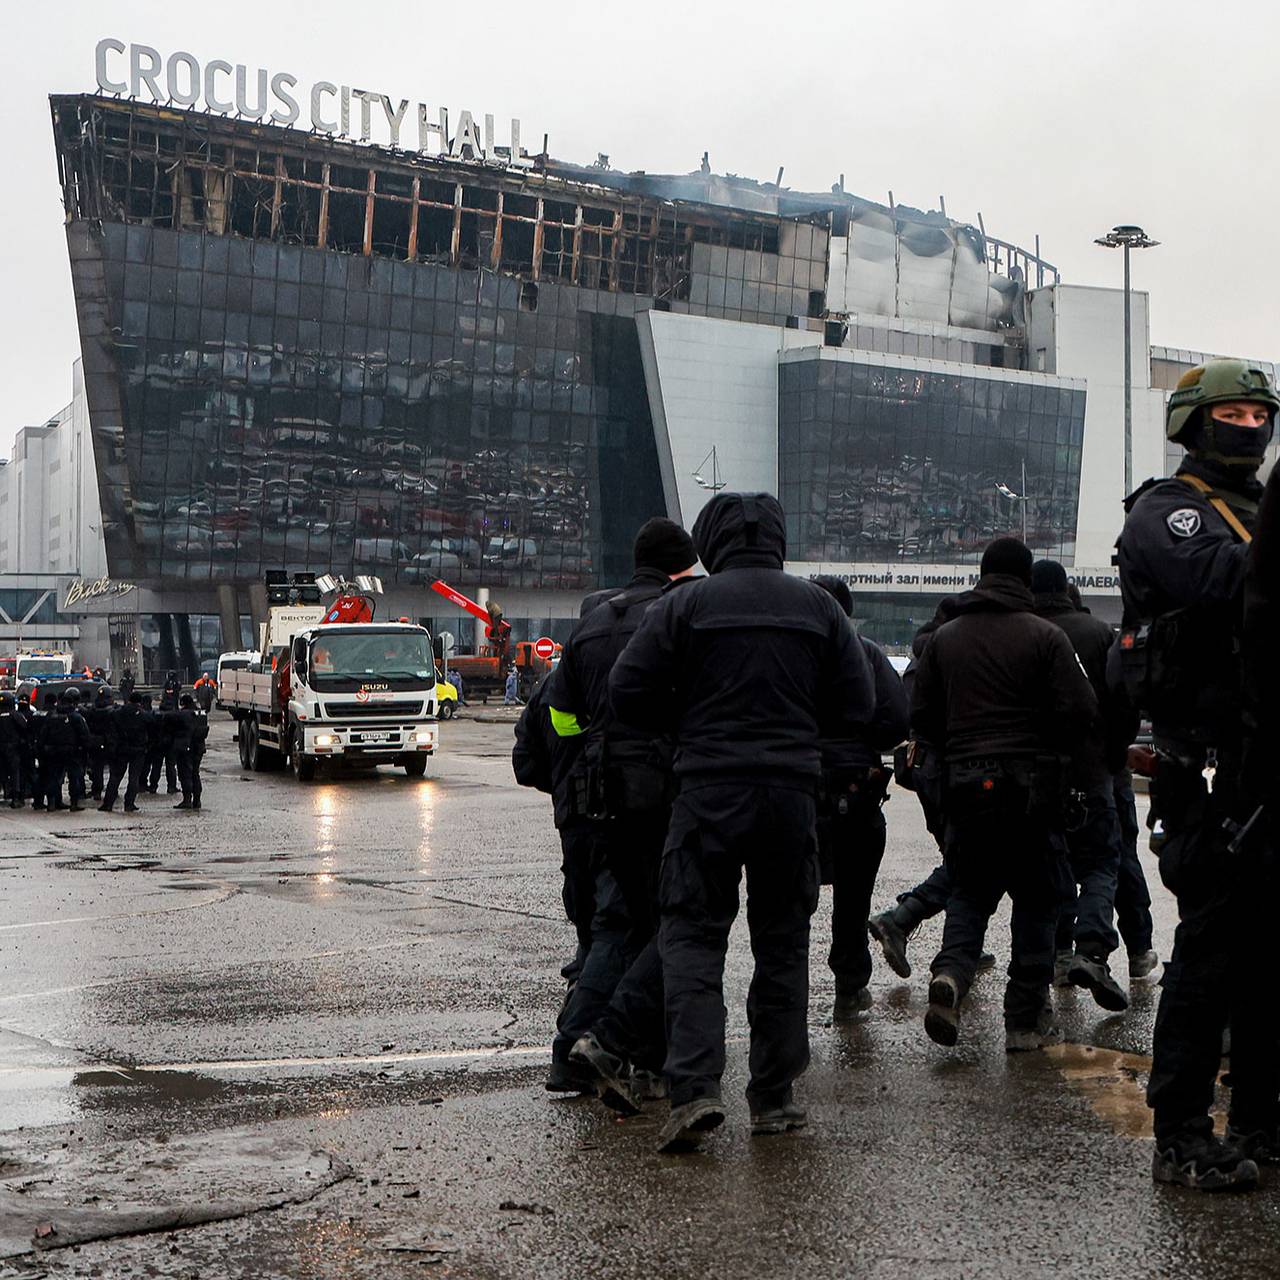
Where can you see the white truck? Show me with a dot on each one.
(358, 694)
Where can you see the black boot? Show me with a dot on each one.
(892, 928)
(851, 1000)
(1094, 974)
(611, 1086)
(1204, 1163)
(688, 1122)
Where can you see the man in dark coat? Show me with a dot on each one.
(1001, 694)
(749, 669)
(130, 736)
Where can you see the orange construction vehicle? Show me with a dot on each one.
(485, 673)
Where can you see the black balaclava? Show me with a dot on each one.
(1227, 444)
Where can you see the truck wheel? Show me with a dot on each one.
(304, 766)
(447, 710)
(416, 766)
(242, 741)
(260, 757)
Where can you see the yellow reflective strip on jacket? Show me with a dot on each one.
(1218, 505)
(565, 723)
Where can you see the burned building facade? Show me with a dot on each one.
(305, 353)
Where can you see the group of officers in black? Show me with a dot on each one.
(700, 726)
(56, 740)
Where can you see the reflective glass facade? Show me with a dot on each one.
(880, 463)
(293, 408)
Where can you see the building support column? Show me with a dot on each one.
(229, 616)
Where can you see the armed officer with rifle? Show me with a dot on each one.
(1183, 559)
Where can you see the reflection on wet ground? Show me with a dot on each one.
(369, 968)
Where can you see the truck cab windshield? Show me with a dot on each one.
(346, 660)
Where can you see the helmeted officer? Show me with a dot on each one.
(41, 770)
(1086, 933)
(749, 668)
(851, 828)
(130, 737)
(1182, 557)
(13, 738)
(614, 1018)
(66, 744)
(1002, 696)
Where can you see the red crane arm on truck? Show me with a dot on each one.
(495, 629)
(349, 608)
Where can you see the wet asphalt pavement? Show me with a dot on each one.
(318, 1015)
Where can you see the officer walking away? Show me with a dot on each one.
(1001, 694)
(40, 723)
(750, 669)
(1086, 933)
(65, 745)
(851, 828)
(614, 1019)
(13, 741)
(130, 737)
(25, 712)
(158, 757)
(127, 684)
(1183, 556)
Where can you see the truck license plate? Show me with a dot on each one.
(375, 737)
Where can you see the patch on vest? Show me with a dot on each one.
(1184, 523)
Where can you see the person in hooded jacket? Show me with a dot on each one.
(1086, 934)
(13, 739)
(1002, 696)
(851, 827)
(613, 1020)
(130, 738)
(749, 669)
(1185, 555)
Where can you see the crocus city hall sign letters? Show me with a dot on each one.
(181, 81)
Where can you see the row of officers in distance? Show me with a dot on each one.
(700, 726)
(96, 749)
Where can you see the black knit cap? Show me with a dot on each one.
(1008, 555)
(663, 545)
(1048, 577)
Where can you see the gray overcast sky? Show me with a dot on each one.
(1054, 118)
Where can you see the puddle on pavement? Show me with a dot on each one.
(184, 1086)
(1113, 1083)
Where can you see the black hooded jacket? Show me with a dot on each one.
(749, 667)
(998, 681)
(131, 725)
(1103, 750)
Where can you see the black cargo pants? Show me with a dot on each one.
(1220, 972)
(716, 832)
(851, 846)
(993, 850)
(125, 764)
(625, 855)
(1093, 854)
(1133, 898)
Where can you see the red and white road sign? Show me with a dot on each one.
(544, 647)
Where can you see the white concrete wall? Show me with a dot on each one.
(714, 382)
(50, 514)
(1081, 332)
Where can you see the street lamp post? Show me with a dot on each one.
(1024, 497)
(715, 484)
(1126, 238)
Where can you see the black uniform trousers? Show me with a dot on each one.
(1220, 972)
(717, 830)
(182, 759)
(162, 757)
(991, 851)
(99, 763)
(578, 888)
(58, 765)
(851, 847)
(197, 783)
(11, 771)
(132, 765)
(930, 895)
(625, 854)
(1093, 854)
(1133, 898)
